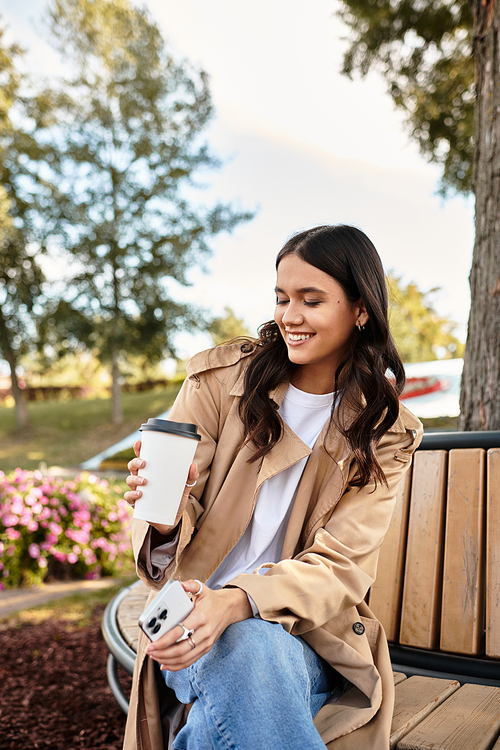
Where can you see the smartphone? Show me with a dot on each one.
(169, 607)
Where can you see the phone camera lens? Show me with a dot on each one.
(152, 622)
(157, 627)
(163, 614)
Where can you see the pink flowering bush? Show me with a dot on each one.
(51, 527)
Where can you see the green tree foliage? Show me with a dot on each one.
(130, 119)
(423, 50)
(25, 211)
(227, 327)
(421, 334)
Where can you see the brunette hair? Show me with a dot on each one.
(363, 388)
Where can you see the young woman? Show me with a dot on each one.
(304, 442)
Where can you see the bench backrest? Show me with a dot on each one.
(438, 582)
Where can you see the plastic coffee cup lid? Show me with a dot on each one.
(183, 429)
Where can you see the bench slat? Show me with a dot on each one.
(386, 592)
(468, 720)
(129, 612)
(462, 618)
(415, 699)
(421, 606)
(493, 554)
(398, 677)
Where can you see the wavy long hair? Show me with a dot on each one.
(366, 403)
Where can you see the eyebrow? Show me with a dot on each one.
(303, 290)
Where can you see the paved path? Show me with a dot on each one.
(14, 600)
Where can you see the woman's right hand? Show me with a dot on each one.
(135, 482)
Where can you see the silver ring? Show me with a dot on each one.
(191, 641)
(186, 632)
(197, 593)
(191, 485)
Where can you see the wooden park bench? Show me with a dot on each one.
(437, 595)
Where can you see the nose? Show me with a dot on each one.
(292, 315)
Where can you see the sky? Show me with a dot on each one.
(301, 145)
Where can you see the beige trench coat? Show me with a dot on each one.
(329, 557)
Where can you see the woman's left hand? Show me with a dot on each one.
(213, 612)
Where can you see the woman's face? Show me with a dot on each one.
(316, 320)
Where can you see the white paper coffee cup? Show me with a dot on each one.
(168, 449)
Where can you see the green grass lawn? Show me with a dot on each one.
(66, 433)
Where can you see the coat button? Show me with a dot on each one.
(358, 628)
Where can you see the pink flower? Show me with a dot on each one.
(77, 535)
(59, 556)
(34, 551)
(83, 515)
(112, 516)
(42, 562)
(17, 506)
(9, 520)
(2, 586)
(55, 528)
(32, 526)
(77, 549)
(13, 533)
(72, 558)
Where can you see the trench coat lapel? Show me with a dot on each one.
(321, 479)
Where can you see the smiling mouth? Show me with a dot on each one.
(299, 336)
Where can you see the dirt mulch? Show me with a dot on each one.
(54, 692)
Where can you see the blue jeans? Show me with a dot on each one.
(258, 687)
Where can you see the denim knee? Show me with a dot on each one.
(261, 651)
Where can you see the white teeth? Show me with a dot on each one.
(299, 336)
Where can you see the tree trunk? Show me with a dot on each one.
(116, 391)
(480, 391)
(23, 419)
